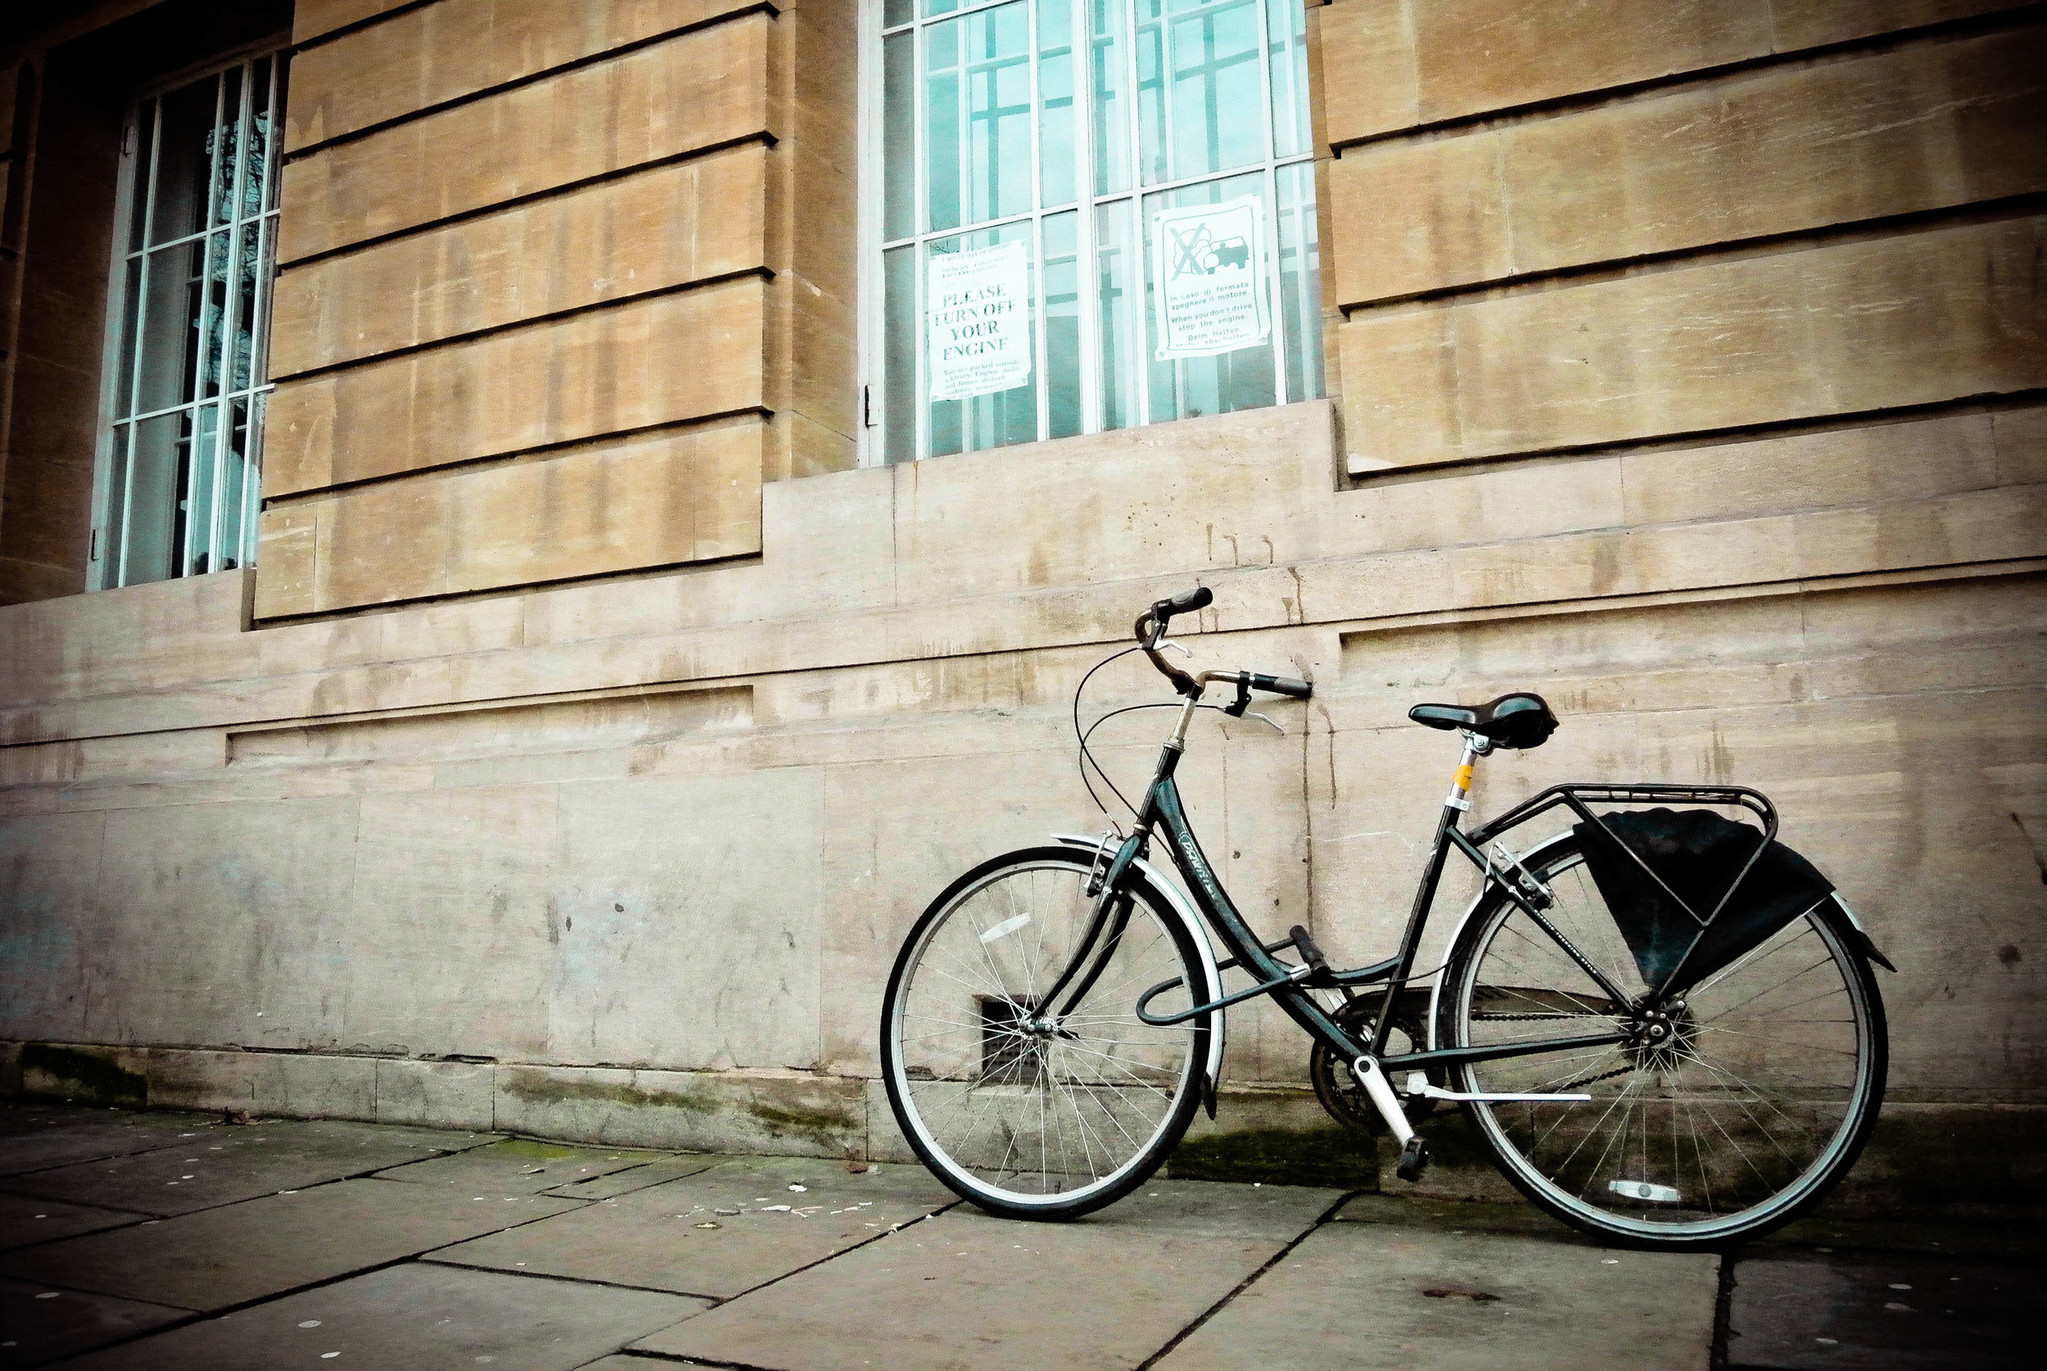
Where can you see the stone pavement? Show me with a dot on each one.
(170, 1241)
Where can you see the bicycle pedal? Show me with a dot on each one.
(1414, 1159)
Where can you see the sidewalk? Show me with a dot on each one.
(169, 1241)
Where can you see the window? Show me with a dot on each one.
(185, 379)
(1090, 214)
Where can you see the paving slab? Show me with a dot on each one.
(225, 1164)
(25, 1220)
(966, 1289)
(521, 1166)
(223, 1257)
(717, 1233)
(1404, 1296)
(36, 1137)
(413, 1317)
(610, 1187)
(39, 1324)
(1865, 1310)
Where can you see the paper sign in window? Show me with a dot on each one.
(978, 321)
(1210, 293)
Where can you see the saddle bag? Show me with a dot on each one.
(1698, 856)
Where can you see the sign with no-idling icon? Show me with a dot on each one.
(1210, 292)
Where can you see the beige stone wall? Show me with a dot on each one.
(550, 303)
(1690, 366)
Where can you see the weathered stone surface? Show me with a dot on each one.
(454, 48)
(38, 1137)
(1123, 1281)
(45, 1325)
(666, 226)
(25, 1220)
(436, 1094)
(1876, 1311)
(1472, 1300)
(673, 1237)
(222, 1165)
(241, 1252)
(732, 1111)
(414, 1316)
(517, 1166)
(1840, 328)
(694, 91)
(1781, 150)
(1392, 64)
(636, 365)
(316, 17)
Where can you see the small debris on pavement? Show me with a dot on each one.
(1451, 1292)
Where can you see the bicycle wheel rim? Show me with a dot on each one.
(1050, 1123)
(1756, 1107)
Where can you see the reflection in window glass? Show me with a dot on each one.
(997, 117)
(179, 478)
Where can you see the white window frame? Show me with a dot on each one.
(872, 298)
(103, 571)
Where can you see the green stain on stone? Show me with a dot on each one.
(79, 1074)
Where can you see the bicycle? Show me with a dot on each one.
(1057, 1014)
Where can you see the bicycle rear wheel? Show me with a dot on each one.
(1024, 1110)
(1740, 1107)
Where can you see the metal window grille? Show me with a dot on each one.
(1067, 125)
(178, 488)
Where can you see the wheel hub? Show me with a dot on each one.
(1661, 1036)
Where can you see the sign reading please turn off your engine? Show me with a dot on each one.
(979, 321)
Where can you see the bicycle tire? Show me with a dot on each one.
(1787, 1106)
(1092, 1082)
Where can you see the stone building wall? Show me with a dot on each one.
(591, 729)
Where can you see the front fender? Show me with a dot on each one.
(1176, 900)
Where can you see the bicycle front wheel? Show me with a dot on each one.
(1030, 1108)
(1718, 1120)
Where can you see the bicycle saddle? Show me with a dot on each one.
(1517, 720)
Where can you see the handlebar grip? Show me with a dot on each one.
(1282, 685)
(1198, 598)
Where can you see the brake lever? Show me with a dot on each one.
(1180, 648)
(1267, 718)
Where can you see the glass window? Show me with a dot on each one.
(185, 385)
(1092, 214)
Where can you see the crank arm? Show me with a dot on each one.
(1418, 1084)
(1367, 1072)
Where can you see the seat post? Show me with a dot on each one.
(1460, 783)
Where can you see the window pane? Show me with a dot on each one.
(898, 137)
(1203, 120)
(1288, 20)
(1122, 361)
(201, 458)
(896, 12)
(184, 163)
(1188, 387)
(1062, 323)
(902, 331)
(977, 88)
(1056, 149)
(1112, 103)
(170, 294)
(153, 498)
(145, 148)
(224, 146)
(1300, 281)
(122, 380)
(988, 420)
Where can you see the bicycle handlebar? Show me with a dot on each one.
(1151, 628)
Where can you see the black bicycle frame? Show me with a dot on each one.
(1163, 813)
